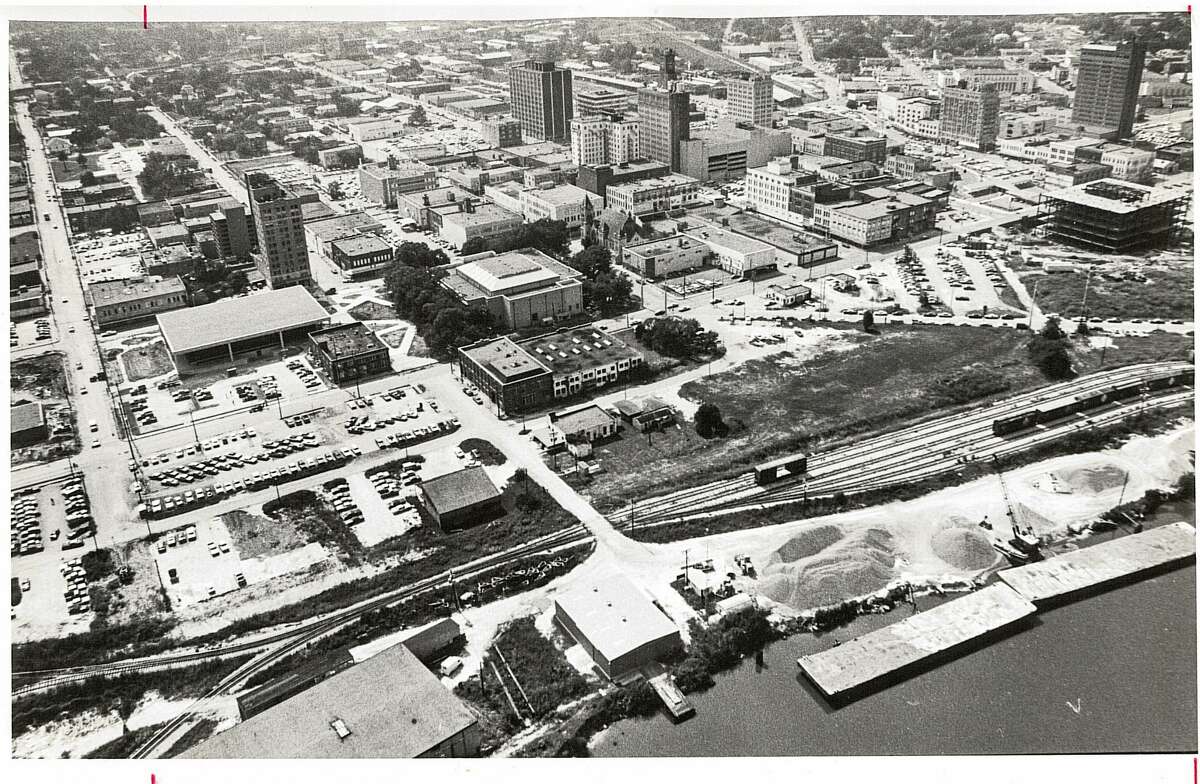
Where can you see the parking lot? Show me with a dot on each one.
(40, 331)
(204, 563)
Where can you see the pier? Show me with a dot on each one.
(854, 665)
(661, 681)
(1066, 575)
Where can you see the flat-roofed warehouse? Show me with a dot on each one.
(253, 326)
(388, 707)
(618, 625)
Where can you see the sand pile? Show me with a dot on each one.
(960, 543)
(856, 565)
(806, 544)
(1093, 480)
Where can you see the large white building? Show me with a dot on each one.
(751, 100)
(598, 140)
(1129, 163)
(737, 254)
(769, 188)
(559, 202)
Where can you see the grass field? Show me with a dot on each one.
(860, 383)
(1166, 294)
(146, 361)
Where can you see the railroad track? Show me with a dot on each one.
(915, 471)
(899, 444)
(47, 679)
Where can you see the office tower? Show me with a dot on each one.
(279, 222)
(971, 118)
(230, 229)
(541, 98)
(1106, 91)
(751, 100)
(664, 124)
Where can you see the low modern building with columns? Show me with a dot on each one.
(241, 328)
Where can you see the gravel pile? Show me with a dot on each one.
(806, 544)
(964, 548)
(856, 565)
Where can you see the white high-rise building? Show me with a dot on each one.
(598, 140)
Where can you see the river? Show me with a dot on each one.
(1126, 658)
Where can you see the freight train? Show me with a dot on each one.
(1052, 410)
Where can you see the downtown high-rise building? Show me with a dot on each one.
(541, 98)
(664, 118)
(1106, 89)
(751, 100)
(971, 118)
(600, 140)
(279, 222)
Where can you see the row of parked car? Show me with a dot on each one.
(175, 538)
(212, 443)
(417, 435)
(165, 506)
(43, 329)
(306, 375)
(79, 599)
(392, 490)
(140, 405)
(25, 533)
(343, 502)
(213, 466)
(78, 509)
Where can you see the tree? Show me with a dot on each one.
(335, 191)
(851, 103)
(472, 246)
(709, 422)
(1048, 351)
(418, 254)
(868, 320)
(592, 261)
(125, 707)
(549, 236)
(81, 159)
(610, 292)
(87, 179)
(417, 116)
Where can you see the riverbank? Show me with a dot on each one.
(1125, 658)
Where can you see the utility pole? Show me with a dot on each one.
(1033, 301)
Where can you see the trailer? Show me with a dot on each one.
(790, 467)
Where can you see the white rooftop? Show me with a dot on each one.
(615, 616)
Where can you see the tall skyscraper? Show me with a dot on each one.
(665, 123)
(751, 100)
(1106, 90)
(971, 118)
(541, 98)
(279, 223)
(230, 230)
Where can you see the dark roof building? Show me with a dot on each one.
(462, 499)
(349, 352)
(27, 424)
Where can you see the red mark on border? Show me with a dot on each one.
(146, 26)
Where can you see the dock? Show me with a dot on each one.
(854, 665)
(1096, 566)
(675, 701)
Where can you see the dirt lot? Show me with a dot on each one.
(39, 378)
(256, 535)
(1166, 294)
(854, 384)
(146, 361)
